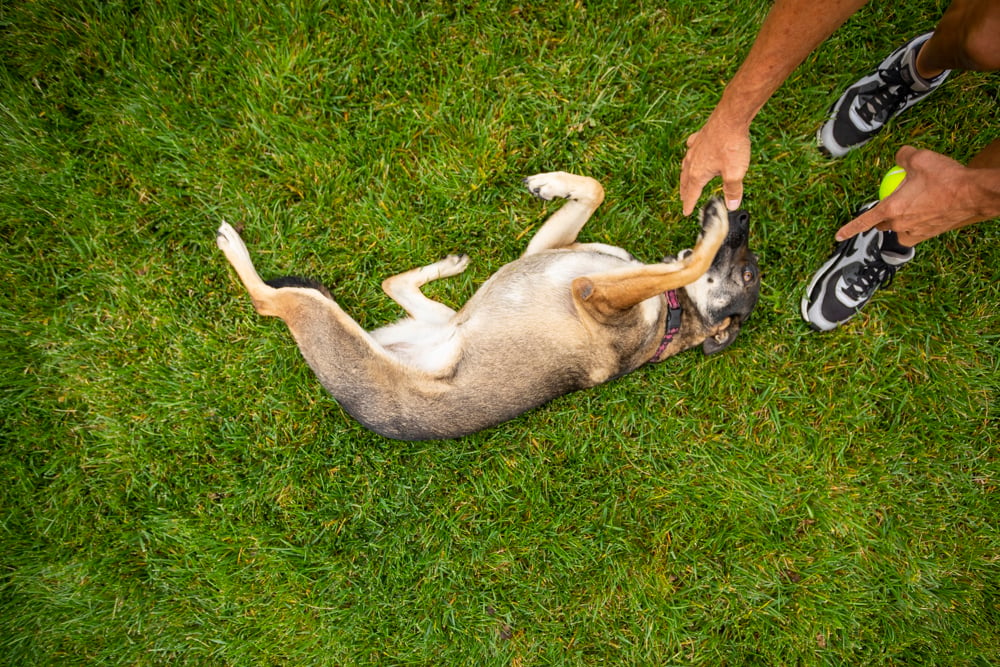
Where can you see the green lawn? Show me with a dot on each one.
(178, 489)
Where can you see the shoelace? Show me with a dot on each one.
(872, 275)
(888, 99)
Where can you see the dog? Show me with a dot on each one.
(564, 316)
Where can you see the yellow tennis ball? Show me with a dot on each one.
(891, 181)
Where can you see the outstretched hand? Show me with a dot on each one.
(937, 195)
(718, 149)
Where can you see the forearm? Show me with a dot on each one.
(982, 195)
(791, 31)
(975, 188)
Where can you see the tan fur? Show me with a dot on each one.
(563, 317)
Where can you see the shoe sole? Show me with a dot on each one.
(824, 139)
(818, 277)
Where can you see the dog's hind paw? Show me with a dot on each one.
(550, 185)
(229, 242)
(452, 265)
(225, 235)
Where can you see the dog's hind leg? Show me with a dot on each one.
(404, 289)
(369, 382)
(290, 303)
(584, 195)
(262, 294)
(314, 319)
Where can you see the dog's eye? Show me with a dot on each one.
(747, 276)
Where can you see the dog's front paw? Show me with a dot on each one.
(559, 184)
(714, 215)
(550, 185)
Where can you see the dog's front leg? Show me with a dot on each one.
(584, 195)
(605, 294)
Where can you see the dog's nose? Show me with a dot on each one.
(739, 219)
(739, 228)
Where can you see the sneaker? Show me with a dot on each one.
(844, 284)
(865, 107)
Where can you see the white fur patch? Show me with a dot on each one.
(429, 347)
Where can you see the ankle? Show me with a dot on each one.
(892, 251)
(922, 68)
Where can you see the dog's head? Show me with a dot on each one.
(727, 293)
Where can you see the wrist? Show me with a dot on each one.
(732, 114)
(739, 105)
(983, 193)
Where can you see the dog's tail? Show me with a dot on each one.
(299, 281)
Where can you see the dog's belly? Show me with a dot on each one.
(431, 347)
(521, 323)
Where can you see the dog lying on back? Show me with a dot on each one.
(564, 316)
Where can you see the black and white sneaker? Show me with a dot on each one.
(865, 107)
(845, 283)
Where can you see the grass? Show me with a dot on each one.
(177, 488)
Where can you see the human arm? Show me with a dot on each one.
(938, 194)
(792, 29)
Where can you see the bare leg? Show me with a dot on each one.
(988, 158)
(966, 38)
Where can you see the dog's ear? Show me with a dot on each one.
(723, 337)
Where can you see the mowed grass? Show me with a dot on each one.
(177, 487)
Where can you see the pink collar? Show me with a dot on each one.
(673, 325)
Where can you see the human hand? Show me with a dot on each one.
(718, 149)
(937, 195)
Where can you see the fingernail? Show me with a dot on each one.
(732, 204)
